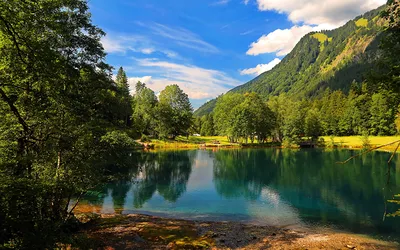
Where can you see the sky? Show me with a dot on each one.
(208, 47)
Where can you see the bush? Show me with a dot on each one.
(321, 142)
(119, 140)
(366, 142)
(289, 143)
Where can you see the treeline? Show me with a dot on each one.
(144, 114)
(360, 112)
(167, 116)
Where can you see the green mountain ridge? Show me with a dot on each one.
(328, 59)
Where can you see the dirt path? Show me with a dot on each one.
(149, 232)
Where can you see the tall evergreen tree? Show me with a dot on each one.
(121, 81)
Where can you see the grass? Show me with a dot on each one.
(357, 141)
(321, 37)
(192, 142)
(341, 141)
(362, 22)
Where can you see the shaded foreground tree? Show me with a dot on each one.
(57, 103)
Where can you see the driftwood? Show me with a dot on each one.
(388, 166)
(372, 149)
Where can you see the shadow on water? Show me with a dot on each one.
(291, 186)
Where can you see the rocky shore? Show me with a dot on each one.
(150, 232)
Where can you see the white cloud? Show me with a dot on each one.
(182, 37)
(198, 83)
(120, 44)
(316, 12)
(147, 51)
(246, 32)
(220, 2)
(246, 2)
(260, 68)
(112, 46)
(312, 15)
(279, 41)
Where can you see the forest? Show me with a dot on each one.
(66, 124)
(283, 119)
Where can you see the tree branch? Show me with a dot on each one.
(15, 111)
(12, 33)
(372, 149)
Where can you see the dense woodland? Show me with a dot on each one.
(244, 117)
(66, 124)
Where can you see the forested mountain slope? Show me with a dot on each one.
(320, 60)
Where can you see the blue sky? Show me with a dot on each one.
(210, 46)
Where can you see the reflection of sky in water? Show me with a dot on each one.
(221, 188)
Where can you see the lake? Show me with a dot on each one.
(264, 186)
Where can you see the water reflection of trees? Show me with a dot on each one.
(165, 172)
(310, 180)
(242, 173)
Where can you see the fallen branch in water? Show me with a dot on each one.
(372, 149)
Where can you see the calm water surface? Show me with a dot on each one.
(267, 186)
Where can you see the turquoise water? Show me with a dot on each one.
(264, 186)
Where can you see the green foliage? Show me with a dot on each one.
(243, 117)
(59, 109)
(174, 112)
(340, 104)
(206, 108)
(207, 125)
(144, 110)
(125, 106)
(145, 138)
(322, 38)
(118, 140)
(328, 59)
(312, 124)
(294, 121)
(397, 122)
(382, 114)
(366, 142)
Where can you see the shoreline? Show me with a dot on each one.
(139, 231)
(346, 142)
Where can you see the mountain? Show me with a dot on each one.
(320, 60)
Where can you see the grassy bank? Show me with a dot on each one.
(193, 142)
(357, 141)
